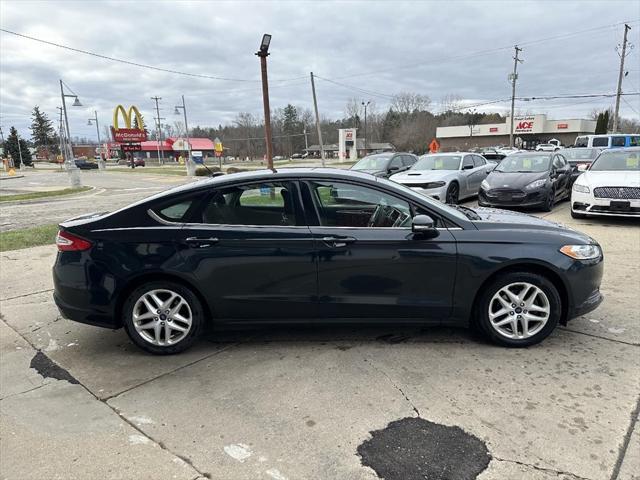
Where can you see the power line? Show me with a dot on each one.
(357, 89)
(137, 64)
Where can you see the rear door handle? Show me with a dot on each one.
(201, 242)
(338, 242)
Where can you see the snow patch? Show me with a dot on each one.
(239, 451)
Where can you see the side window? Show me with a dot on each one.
(634, 141)
(600, 142)
(558, 161)
(348, 205)
(467, 162)
(270, 203)
(178, 210)
(478, 161)
(396, 162)
(408, 160)
(618, 141)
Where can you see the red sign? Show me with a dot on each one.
(131, 147)
(524, 127)
(563, 126)
(217, 153)
(349, 135)
(128, 135)
(493, 129)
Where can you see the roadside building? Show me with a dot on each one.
(332, 149)
(172, 147)
(528, 131)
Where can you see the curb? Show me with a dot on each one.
(92, 189)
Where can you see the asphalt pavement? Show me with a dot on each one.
(315, 403)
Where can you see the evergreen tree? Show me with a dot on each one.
(291, 126)
(605, 121)
(144, 124)
(11, 147)
(599, 124)
(43, 135)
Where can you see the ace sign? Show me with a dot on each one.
(524, 124)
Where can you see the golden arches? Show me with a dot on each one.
(127, 116)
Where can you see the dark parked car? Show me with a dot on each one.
(319, 245)
(83, 164)
(385, 164)
(580, 159)
(139, 162)
(491, 154)
(527, 179)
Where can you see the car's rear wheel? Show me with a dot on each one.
(452, 193)
(163, 317)
(519, 309)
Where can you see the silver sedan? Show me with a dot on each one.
(448, 177)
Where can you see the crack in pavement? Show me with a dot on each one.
(565, 329)
(541, 469)
(122, 417)
(624, 447)
(404, 395)
(26, 295)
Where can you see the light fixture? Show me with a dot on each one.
(264, 45)
(176, 111)
(89, 122)
(76, 103)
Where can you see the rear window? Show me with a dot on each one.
(175, 212)
(618, 141)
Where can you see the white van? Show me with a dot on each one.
(607, 141)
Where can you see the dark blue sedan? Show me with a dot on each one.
(319, 245)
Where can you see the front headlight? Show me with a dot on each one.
(582, 252)
(537, 184)
(433, 185)
(485, 185)
(580, 188)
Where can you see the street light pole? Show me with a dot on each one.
(263, 53)
(190, 169)
(74, 177)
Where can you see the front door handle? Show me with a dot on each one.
(338, 242)
(201, 242)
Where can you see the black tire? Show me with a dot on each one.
(483, 305)
(577, 215)
(550, 201)
(197, 321)
(453, 193)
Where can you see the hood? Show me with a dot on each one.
(610, 179)
(492, 218)
(516, 180)
(422, 176)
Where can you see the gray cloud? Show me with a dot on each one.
(380, 46)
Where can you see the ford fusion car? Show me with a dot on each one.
(319, 246)
(527, 179)
(385, 164)
(610, 187)
(448, 177)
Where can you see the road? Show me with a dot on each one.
(332, 403)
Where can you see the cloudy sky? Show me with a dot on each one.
(372, 49)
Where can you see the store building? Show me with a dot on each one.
(528, 131)
(332, 150)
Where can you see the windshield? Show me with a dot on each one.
(423, 198)
(580, 153)
(616, 161)
(372, 162)
(524, 164)
(438, 162)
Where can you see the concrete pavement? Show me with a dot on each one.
(300, 404)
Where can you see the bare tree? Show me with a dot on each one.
(407, 102)
(451, 102)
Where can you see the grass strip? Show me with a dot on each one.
(34, 195)
(28, 237)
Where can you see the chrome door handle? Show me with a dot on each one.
(338, 242)
(202, 242)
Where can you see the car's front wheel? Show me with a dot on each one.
(519, 309)
(163, 317)
(453, 193)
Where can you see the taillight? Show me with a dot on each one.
(67, 242)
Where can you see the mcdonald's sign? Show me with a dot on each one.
(127, 134)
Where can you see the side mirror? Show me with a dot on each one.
(393, 169)
(423, 224)
(467, 167)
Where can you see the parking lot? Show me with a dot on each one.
(317, 402)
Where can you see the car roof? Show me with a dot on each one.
(529, 152)
(450, 154)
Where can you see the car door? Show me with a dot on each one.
(252, 254)
(467, 176)
(371, 264)
(480, 172)
(395, 165)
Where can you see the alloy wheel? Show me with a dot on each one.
(452, 194)
(162, 317)
(519, 310)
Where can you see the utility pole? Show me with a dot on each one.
(365, 126)
(513, 77)
(620, 75)
(306, 143)
(263, 53)
(159, 130)
(315, 106)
